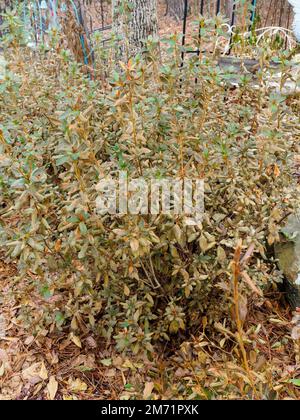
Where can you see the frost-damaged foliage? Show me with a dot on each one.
(138, 278)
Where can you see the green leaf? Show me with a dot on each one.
(75, 156)
(83, 250)
(83, 228)
(295, 382)
(73, 219)
(46, 292)
(61, 160)
(59, 318)
(106, 362)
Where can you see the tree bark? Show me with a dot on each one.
(133, 25)
(175, 9)
(229, 9)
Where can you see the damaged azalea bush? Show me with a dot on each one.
(136, 279)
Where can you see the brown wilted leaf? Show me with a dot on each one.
(52, 387)
(148, 390)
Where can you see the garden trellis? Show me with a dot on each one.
(272, 17)
(266, 17)
(41, 15)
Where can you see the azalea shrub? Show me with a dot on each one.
(139, 279)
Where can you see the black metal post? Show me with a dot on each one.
(185, 13)
(231, 25)
(202, 7)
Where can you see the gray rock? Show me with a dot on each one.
(287, 252)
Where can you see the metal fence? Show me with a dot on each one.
(267, 12)
(85, 17)
(251, 14)
(97, 15)
(93, 15)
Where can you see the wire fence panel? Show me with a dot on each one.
(79, 20)
(97, 15)
(266, 12)
(242, 16)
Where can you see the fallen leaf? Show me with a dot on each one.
(2, 370)
(52, 387)
(126, 290)
(3, 355)
(106, 362)
(276, 170)
(29, 340)
(76, 340)
(77, 385)
(148, 390)
(43, 372)
(221, 254)
(31, 374)
(110, 373)
(134, 243)
(90, 341)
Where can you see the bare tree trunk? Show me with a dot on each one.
(175, 9)
(133, 23)
(229, 9)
